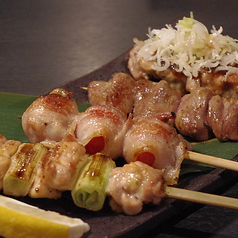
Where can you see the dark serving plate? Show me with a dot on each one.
(106, 223)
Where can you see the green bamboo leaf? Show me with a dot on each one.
(214, 147)
(12, 107)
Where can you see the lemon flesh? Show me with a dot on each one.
(18, 219)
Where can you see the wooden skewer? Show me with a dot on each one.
(211, 160)
(84, 88)
(200, 197)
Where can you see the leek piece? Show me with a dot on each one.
(20, 175)
(90, 189)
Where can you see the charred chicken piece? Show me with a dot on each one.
(223, 117)
(49, 117)
(191, 118)
(117, 92)
(58, 169)
(156, 98)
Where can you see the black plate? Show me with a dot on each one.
(106, 223)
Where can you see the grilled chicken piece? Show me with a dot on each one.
(191, 118)
(101, 129)
(49, 117)
(220, 83)
(157, 144)
(7, 149)
(58, 169)
(136, 70)
(117, 92)
(223, 117)
(157, 98)
(133, 185)
(141, 69)
(40, 187)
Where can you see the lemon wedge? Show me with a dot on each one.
(18, 219)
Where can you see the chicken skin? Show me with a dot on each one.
(133, 185)
(157, 144)
(101, 129)
(117, 92)
(49, 117)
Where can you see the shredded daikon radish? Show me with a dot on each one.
(189, 47)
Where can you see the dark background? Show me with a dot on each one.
(46, 43)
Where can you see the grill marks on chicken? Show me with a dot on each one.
(157, 144)
(101, 129)
(117, 92)
(201, 115)
(141, 97)
(220, 83)
(149, 139)
(133, 185)
(188, 113)
(156, 98)
(58, 168)
(49, 117)
(223, 117)
(129, 187)
(55, 172)
(191, 118)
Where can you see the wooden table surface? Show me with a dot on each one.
(47, 43)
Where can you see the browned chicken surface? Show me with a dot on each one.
(223, 117)
(157, 144)
(101, 129)
(157, 98)
(133, 185)
(117, 92)
(49, 117)
(191, 118)
(59, 168)
(220, 83)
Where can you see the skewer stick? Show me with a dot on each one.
(84, 88)
(200, 197)
(211, 160)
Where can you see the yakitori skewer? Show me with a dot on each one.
(132, 179)
(200, 197)
(206, 159)
(212, 160)
(135, 184)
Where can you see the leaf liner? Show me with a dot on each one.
(12, 106)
